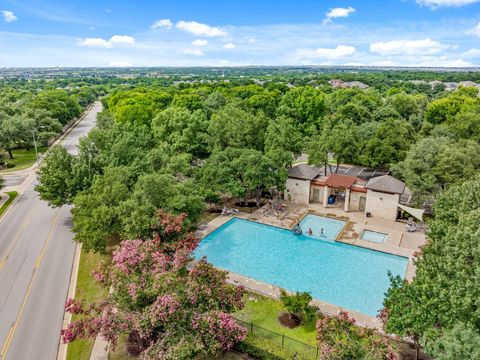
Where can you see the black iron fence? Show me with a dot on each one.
(304, 350)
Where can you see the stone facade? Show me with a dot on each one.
(298, 191)
(382, 205)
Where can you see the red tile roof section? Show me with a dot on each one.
(344, 181)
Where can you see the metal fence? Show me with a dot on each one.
(304, 350)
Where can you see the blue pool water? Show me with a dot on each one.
(374, 236)
(348, 276)
(331, 227)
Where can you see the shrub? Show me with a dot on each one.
(298, 305)
(339, 338)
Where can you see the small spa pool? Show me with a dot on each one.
(374, 236)
(352, 277)
(321, 227)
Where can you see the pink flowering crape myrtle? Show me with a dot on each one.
(169, 311)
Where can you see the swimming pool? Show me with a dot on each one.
(374, 236)
(322, 227)
(349, 276)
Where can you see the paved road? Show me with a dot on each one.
(36, 257)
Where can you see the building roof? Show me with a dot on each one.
(344, 181)
(386, 184)
(303, 172)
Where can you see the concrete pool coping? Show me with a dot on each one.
(273, 291)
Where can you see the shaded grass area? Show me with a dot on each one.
(89, 291)
(11, 196)
(120, 353)
(207, 216)
(22, 159)
(264, 312)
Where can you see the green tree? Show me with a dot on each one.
(435, 163)
(298, 305)
(183, 130)
(306, 106)
(233, 127)
(460, 342)
(56, 183)
(282, 135)
(158, 191)
(444, 109)
(389, 144)
(14, 131)
(444, 291)
(237, 172)
(97, 215)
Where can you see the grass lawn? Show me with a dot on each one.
(11, 196)
(263, 312)
(89, 291)
(22, 159)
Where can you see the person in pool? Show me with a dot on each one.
(310, 231)
(321, 231)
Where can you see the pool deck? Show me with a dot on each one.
(399, 242)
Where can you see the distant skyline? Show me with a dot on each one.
(443, 33)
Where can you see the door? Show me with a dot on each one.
(362, 202)
(316, 195)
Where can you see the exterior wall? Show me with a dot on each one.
(382, 205)
(321, 189)
(298, 191)
(355, 200)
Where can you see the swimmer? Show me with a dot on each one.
(310, 231)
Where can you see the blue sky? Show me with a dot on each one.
(247, 32)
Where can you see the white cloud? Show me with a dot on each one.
(339, 13)
(410, 47)
(199, 42)
(471, 54)
(162, 23)
(194, 52)
(107, 44)
(122, 40)
(9, 16)
(95, 42)
(434, 4)
(199, 29)
(229, 46)
(339, 52)
(251, 40)
(475, 31)
(119, 63)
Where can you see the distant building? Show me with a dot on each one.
(336, 83)
(450, 86)
(469, 84)
(379, 196)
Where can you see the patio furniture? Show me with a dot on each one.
(411, 227)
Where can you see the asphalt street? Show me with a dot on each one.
(36, 257)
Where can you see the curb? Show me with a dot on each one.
(19, 194)
(62, 348)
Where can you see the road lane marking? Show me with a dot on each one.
(22, 228)
(9, 339)
(7, 342)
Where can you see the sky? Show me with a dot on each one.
(444, 33)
